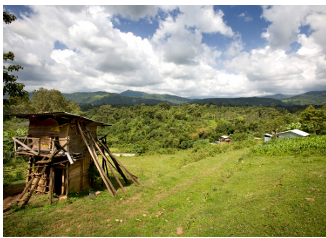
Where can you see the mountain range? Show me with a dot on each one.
(130, 97)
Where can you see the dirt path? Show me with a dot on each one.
(10, 194)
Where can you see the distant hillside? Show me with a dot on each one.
(130, 97)
(130, 93)
(99, 98)
(239, 101)
(278, 96)
(309, 98)
(161, 97)
(85, 97)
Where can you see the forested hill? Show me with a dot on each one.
(130, 97)
(172, 99)
(309, 98)
(239, 101)
(100, 98)
(278, 96)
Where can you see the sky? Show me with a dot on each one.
(183, 50)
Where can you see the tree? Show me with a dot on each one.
(44, 100)
(52, 100)
(313, 116)
(11, 89)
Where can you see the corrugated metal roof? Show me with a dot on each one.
(296, 131)
(225, 137)
(57, 114)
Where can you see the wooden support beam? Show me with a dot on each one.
(25, 146)
(67, 178)
(104, 158)
(94, 157)
(91, 144)
(62, 182)
(131, 176)
(117, 165)
(51, 185)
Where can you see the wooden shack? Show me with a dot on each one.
(225, 139)
(63, 150)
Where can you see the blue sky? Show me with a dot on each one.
(221, 51)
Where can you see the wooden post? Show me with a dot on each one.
(62, 182)
(67, 178)
(39, 146)
(82, 175)
(51, 185)
(29, 169)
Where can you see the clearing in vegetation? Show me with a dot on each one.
(236, 192)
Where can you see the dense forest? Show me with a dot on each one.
(140, 128)
(165, 128)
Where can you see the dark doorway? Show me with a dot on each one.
(57, 181)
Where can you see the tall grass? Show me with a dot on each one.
(293, 146)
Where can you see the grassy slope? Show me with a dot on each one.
(229, 195)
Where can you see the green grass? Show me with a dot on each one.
(230, 194)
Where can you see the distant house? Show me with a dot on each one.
(292, 133)
(267, 137)
(225, 139)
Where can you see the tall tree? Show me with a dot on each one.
(313, 116)
(12, 91)
(44, 100)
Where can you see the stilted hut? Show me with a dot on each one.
(63, 148)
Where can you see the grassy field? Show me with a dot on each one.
(231, 194)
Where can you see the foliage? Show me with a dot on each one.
(12, 90)
(293, 146)
(10, 160)
(44, 100)
(313, 116)
(179, 127)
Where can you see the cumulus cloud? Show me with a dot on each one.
(175, 59)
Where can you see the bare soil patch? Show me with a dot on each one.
(10, 193)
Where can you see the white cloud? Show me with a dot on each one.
(175, 60)
(245, 17)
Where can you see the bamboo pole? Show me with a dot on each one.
(94, 159)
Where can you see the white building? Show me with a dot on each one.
(267, 137)
(292, 133)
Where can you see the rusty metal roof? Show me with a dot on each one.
(54, 115)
